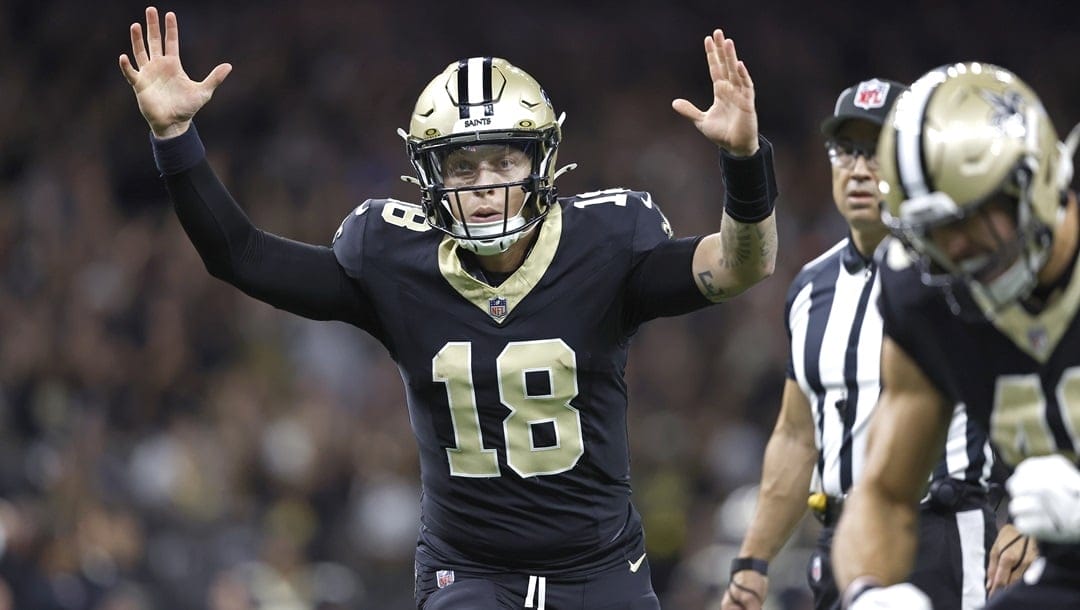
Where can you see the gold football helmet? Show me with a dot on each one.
(965, 135)
(480, 101)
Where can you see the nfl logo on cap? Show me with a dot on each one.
(497, 307)
(444, 578)
(871, 94)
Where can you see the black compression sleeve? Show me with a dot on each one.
(176, 154)
(301, 278)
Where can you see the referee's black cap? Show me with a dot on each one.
(869, 100)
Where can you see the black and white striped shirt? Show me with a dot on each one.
(835, 331)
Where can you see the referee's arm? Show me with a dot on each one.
(785, 482)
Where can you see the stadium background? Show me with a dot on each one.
(166, 442)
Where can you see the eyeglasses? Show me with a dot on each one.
(843, 153)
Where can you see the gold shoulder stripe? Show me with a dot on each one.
(518, 285)
(1038, 335)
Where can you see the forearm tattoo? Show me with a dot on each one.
(740, 241)
(745, 251)
(711, 289)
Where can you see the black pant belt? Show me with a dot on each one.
(946, 495)
(954, 496)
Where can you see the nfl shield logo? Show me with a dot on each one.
(815, 568)
(444, 578)
(497, 307)
(871, 94)
(1037, 338)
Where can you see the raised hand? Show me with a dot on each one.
(167, 96)
(731, 121)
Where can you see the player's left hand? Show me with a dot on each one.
(731, 121)
(1010, 556)
(1045, 500)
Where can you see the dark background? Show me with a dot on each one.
(167, 442)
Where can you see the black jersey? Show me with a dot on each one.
(516, 392)
(1018, 374)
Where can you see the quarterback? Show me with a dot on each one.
(507, 308)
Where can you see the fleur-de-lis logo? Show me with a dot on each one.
(1008, 112)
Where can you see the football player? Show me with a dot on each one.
(829, 397)
(980, 294)
(507, 309)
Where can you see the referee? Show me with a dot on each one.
(831, 389)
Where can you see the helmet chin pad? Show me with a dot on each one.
(1014, 283)
(502, 234)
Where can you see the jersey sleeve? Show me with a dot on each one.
(661, 281)
(348, 241)
(797, 285)
(301, 278)
(909, 310)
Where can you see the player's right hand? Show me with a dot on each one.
(1045, 500)
(167, 96)
(904, 596)
(746, 591)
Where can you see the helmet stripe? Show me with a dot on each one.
(476, 82)
(489, 107)
(463, 89)
(910, 116)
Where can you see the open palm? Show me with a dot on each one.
(167, 96)
(731, 120)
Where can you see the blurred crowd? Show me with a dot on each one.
(167, 442)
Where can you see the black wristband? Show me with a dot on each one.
(175, 155)
(749, 184)
(749, 563)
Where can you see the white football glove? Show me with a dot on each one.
(904, 596)
(1045, 500)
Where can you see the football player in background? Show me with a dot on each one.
(980, 293)
(507, 309)
(832, 387)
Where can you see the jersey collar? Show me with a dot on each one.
(1038, 334)
(498, 302)
(853, 260)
